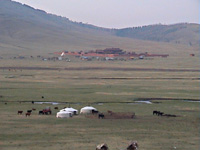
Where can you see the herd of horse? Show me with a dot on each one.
(159, 113)
(41, 112)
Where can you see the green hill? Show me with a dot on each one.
(182, 33)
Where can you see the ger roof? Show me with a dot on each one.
(69, 109)
(89, 107)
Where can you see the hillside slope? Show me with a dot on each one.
(24, 29)
(182, 33)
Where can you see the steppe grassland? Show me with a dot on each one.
(48, 132)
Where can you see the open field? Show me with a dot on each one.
(115, 86)
(48, 132)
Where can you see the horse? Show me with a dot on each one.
(29, 111)
(101, 116)
(47, 111)
(155, 112)
(28, 114)
(33, 109)
(110, 112)
(55, 107)
(41, 112)
(160, 113)
(19, 112)
(95, 112)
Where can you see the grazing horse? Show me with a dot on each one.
(28, 114)
(160, 113)
(29, 111)
(94, 112)
(110, 112)
(55, 107)
(33, 109)
(19, 112)
(41, 112)
(155, 112)
(47, 111)
(101, 116)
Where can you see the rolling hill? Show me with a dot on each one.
(24, 29)
(182, 33)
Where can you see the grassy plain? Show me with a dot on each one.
(83, 87)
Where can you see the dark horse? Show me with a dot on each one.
(101, 116)
(41, 112)
(29, 111)
(155, 112)
(95, 112)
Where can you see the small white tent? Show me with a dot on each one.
(64, 114)
(87, 110)
(72, 110)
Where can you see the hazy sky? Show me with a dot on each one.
(122, 13)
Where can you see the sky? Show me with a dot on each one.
(122, 13)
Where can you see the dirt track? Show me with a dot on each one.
(100, 68)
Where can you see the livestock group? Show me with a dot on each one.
(159, 113)
(46, 111)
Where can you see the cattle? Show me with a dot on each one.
(101, 116)
(19, 112)
(28, 114)
(29, 111)
(133, 146)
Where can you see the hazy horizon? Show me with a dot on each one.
(121, 14)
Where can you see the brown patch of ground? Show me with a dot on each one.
(114, 115)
